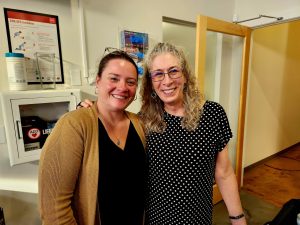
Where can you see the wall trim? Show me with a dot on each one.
(270, 157)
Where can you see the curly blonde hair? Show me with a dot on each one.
(152, 109)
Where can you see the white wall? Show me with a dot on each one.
(263, 136)
(272, 115)
(245, 9)
(144, 16)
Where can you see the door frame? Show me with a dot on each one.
(204, 24)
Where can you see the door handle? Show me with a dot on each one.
(19, 129)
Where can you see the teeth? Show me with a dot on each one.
(168, 91)
(118, 96)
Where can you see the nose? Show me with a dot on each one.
(167, 79)
(122, 85)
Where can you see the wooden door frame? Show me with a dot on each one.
(205, 24)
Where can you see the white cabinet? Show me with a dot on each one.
(29, 117)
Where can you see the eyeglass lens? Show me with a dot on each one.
(173, 73)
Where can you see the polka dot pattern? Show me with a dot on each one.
(181, 168)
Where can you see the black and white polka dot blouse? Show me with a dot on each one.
(181, 168)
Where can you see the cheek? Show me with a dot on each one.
(132, 90)
(155, 86)
(110, 87)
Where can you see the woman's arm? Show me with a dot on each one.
(227, 183)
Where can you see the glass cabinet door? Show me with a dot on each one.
(34, 121)
(29, 117)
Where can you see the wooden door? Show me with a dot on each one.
(222, 76)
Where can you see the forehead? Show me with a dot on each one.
(120, 67)
(164, 61)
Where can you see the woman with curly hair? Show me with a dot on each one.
(186, 142)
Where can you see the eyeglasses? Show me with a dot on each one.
(173, 73)
(108, 50)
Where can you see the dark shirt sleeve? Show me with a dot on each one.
(223, 128)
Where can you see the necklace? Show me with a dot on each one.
(118, 141)
(112, 129)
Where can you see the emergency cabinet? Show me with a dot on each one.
(29, 117)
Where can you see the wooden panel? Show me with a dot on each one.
(226, 27)
(243, 98)
(200, 51)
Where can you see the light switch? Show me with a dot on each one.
(2, 135)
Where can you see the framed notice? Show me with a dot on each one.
(35, 34)
(136, 45)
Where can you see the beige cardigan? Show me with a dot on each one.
(69, 169)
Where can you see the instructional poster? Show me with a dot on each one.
(35, 34)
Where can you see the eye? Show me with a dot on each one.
(113, 78)
(131, 82)
(157, 73)
(173, 71)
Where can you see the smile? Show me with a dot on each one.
(119, 96)
(168, 91)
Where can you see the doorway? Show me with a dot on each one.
(182, 34)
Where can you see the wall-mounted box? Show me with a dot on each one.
(29, 117)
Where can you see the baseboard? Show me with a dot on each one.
(270, 157)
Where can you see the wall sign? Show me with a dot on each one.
(136, 45)
(32, 34)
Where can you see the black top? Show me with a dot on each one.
(121, 187)
(182, 166)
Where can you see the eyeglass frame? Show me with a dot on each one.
(163, 74)
(112, 49)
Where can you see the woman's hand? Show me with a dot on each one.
(86, 104)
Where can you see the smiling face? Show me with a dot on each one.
(169, 90)
(117, 85)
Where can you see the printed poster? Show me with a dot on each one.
(35, 35)
(136, 45)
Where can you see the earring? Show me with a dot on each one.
(185, 87)
(135, 98)
(153, 95)
(96, 90)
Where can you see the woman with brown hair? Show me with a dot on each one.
(92, 167)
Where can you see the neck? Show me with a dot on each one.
(110, 116)
(175, 110)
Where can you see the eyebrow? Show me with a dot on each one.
(172, 67)
(118, 75)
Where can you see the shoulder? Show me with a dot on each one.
(213, 106)
(213, 109)
(77, 117)
(132, 116)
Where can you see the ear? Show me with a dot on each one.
(98, 79)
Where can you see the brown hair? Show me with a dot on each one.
(117, 54)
